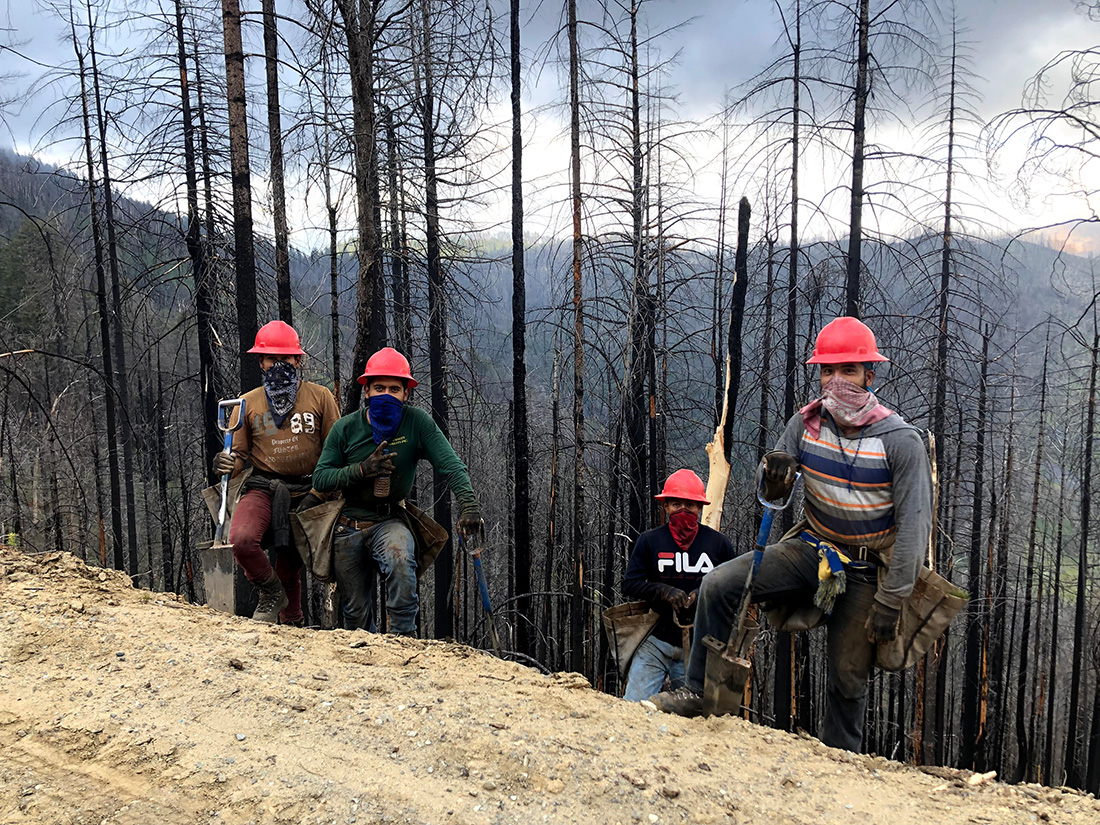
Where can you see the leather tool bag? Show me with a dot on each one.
(430, 535)
(925, 615)
(313, 530)
(627, 626)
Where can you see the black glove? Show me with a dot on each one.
(882, 624)
(379, 463)
(311, 500)
(677, 598)
(470, 524)
(779, 474)
(224, 463)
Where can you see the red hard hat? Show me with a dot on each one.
(390, 363)
(684, 484)
(277, 338)
(845, 341)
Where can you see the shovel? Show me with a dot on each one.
(219, 567)
(728, 665)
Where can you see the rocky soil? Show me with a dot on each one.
(120, 706)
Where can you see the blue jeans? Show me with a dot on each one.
(788, 575)
(390, 546)
(652, 662)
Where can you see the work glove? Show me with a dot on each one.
(311, 500)
(779, 475)
(882, 624)
(675, 597)
(378, 463)
(470, 524)
(224, 463)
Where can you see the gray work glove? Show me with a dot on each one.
(779, 475)
(378, 463)
(676, 598)
(882, 624)
(224, 463)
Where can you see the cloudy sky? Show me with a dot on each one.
(724, 43)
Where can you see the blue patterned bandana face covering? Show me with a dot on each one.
(281, 388)
(385, 416)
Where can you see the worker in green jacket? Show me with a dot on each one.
(371, 455)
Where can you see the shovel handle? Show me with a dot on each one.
(483, 586)
(757, 556)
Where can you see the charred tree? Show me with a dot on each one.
(244, 251)
(521, 482)
(275, 138)
(973, 711)
(859, 135)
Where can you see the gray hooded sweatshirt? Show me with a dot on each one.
(874, 489)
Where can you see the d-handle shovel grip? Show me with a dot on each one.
(225, 412)
(225, 409)
(771, 505)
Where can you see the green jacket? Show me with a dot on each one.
(350, 442)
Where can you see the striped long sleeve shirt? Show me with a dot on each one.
(873, 489)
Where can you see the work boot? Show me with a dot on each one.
(683, 702)
(272, 599)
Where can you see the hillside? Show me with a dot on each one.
(120, 706)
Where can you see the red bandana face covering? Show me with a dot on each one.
(684, 525)
(849, 404)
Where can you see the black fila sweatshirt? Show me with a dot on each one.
(657, 559)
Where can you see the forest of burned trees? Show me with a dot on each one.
(187, 142)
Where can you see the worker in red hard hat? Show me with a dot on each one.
(854, 559)
(371, 455)
(665, 569)
(286, 421)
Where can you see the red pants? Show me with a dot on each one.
(250, 522)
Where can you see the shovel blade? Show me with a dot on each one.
(724, 680)
(218, 569)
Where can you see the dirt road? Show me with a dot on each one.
(124, 707)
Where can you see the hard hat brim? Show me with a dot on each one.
(263, 349)
(700, 499)
(847, 358)
(410, 382)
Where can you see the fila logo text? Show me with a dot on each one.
(681, 562)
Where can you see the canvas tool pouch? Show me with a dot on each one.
(793, 618)
(627, 626)
(313, 529)
(430, 535)
(925, 615)
(212, 496)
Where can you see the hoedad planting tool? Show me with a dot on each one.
(218, 564)
(728, 665)
(483, 587)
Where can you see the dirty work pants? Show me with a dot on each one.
(251, 518)
(788, 575)
(652, 662)
(390, 545)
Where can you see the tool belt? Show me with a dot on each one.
(355, 524)
(859, 553)
(386, 509)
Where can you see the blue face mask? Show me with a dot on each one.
(385, 416)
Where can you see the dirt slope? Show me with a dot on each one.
(123, 706)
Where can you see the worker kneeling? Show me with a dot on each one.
(856, 556)
(665, 569)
